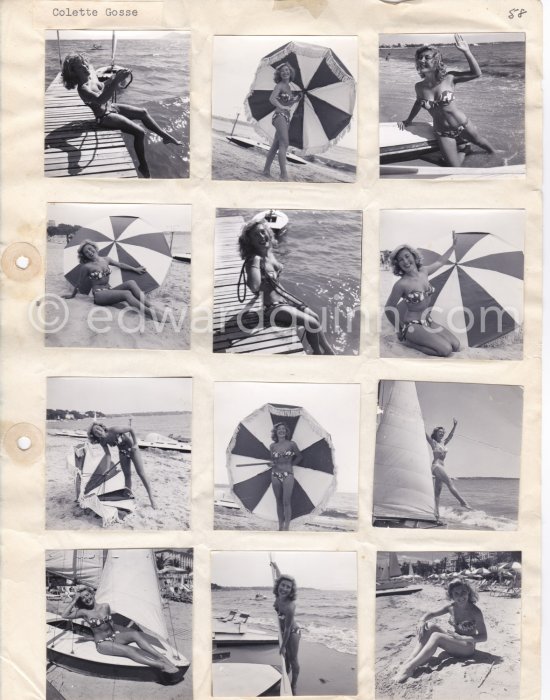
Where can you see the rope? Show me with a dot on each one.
(59, 49)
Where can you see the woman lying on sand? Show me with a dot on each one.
(282, 98)
(261, 269)
(284, 455)
(436, 94)
(125, 440)
(285, 590)
(96, 88)
(467, 627)
(115, 640)
(438, 442)
(95, 274)
(417, 328)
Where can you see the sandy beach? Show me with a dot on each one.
(169, 474)
(126, 329)
(71, 685)
(493, 671)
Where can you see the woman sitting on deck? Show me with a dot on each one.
(97, 88)
(262, 274)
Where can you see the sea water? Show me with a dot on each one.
(495, 103)
(325, 617)
(176, 424)
(161, 73)
(321, 254)
(494, 504)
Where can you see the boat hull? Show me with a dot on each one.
(245, 680)
(403, 144)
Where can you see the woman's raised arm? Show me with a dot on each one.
(443, 260)
(475, 70)
(451, 433)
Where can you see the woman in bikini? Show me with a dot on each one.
(126, 441)
(467, 628)
(94, 275)
(96, 88)
(417, 328)
(112, 639)
(284, 455)
(262, 270)
(436, 93)
(282, 98)
(438, 442)
(285, 591)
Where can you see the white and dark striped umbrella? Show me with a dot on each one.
(324, 113)
(126, 239)
(481, 287)
(248, 458)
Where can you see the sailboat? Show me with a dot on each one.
(127, 580)
(389, 580)
(403, 485)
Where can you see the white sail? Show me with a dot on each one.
(82, 566)
(403, 486)
(129, 585)
(395, 569)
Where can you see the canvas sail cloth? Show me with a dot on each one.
(323, 114)
(479, 292)
(389, 568)
(315, 476)
(403, 486)
(100, 483)
(126, 239)
(77, 565)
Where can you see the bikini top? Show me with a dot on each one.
(287, 453)
(464, 626)
(438, 449)
(98, 621)
(99, 274)
(285, 97)
(416, 297)
(446, 97)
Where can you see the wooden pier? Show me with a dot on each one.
(75, 144)
(238, 327)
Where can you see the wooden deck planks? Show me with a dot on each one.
(75, 145)
(236, 324)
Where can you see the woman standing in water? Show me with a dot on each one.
(96, 88)
(284, 455)
(285, 591)
(436, 94)
(438, 442)
(282, 99)
(416, 327)
(467, 628)
(261, 269)
(126, 441)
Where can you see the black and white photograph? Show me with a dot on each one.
(118, 453)
(448, 455)
(117, 104)
(119, 624)
(284, 623)
(452, 105)
(286, 456)
(283, 108)
(454, 287)
(448, 625)
(117, 276)
(287, 282)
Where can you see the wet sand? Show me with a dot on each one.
(327, 521)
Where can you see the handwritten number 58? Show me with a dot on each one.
(516, 12)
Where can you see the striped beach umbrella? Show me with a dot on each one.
(324, 113)
(249, 457)
(126, 239)
(479, 291)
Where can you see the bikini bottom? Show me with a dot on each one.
(111, 110)
(453, 133)
(268, 308)
(404, 327)
(281, 475)
(280, 113)
(110, 638)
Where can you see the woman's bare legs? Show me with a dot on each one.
(278, 491)
(291, 660)
(471, 133)
(142, 114)
(110, 297)
(431, 341)
(435, 640)
(449, 150)
(271, 156)
(119, 121)
(288, 487)
(309, 321)
(280, 145)
(438, 486)
(442, 476)
(140, 469)
(146, 654)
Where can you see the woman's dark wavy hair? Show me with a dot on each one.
(91, 436)
(274, 431)
(285, 577)
(440, 67)
(277, 74)
(460, 583)
(394, 263)
(246, 247)
(82, 258)
(81, 603)
(68, 73)
(434, 431)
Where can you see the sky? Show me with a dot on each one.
(334, 406)
(165, 217)
(432, 228)
(474, 38)
(487, 440)
(236, 58)
(116, 395)
(322, 570)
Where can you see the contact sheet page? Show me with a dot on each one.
(270, 267)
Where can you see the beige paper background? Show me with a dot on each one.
(26, 363)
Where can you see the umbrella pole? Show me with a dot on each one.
(285, 681)
(234, 125)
